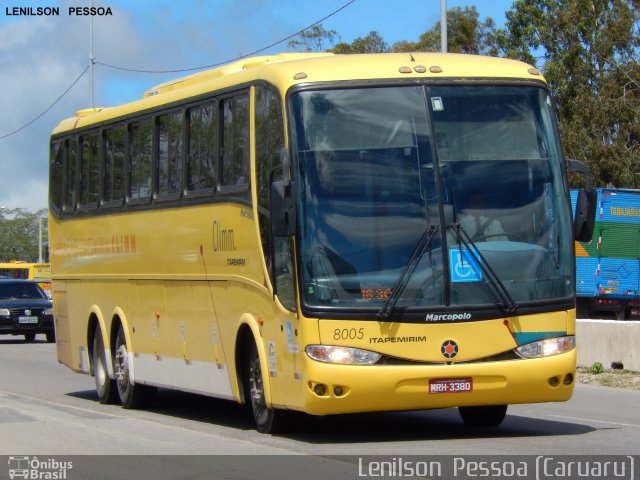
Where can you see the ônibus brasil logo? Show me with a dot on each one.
(36, 469)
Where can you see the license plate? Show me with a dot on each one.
(450, 385)
(30, 320)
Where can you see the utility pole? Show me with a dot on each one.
(40, 240)
(91, 60)
(443, 26)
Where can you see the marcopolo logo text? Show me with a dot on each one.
(447, 317)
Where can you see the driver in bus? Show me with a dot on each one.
(475, 221)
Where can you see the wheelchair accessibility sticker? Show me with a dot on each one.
(464, 266)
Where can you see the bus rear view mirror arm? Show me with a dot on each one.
(584, 219)
(283, 212)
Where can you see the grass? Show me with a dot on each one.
(609, 377)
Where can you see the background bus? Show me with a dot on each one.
(38, 272)
(287, 232)
(608, 264)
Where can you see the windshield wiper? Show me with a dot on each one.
(403, 281)
(509, 304)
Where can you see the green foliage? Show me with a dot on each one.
(372, 43)
(596, 369)
(465, 34)
(314, 39)
(19, 231)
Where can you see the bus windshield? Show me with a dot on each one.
(478, 167)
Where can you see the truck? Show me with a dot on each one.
(608, 266)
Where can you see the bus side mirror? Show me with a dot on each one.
(283, 206)
(283, 212)
(585, 216)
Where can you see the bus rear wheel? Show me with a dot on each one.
(105, 387)
(131, 395)
(483, 416)
(267, 420)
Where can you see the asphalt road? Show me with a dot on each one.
(48, 410)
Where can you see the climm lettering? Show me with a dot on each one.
(625, 211)
(31, 11)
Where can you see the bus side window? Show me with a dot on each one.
(114, 154)
(169, 147)
(89, 171)
(201, 148)
(140, 160)
(56, 172)
(234, 148)
(70, 169)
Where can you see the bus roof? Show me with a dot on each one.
(288, 69)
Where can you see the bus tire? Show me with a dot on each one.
(105, 387)
(131, 395)
(267, 420)
(483, 416)
(51, 337)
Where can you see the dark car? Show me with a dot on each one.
(25, 310)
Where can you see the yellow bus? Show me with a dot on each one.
(38, 272)
(289, 232)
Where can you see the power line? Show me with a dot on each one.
(233, 59)
(49, 107)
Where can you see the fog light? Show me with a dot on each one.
(553, 381)
(568, 379)
(320, 389)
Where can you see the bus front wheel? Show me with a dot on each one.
(267, 420)
(483, 416)
(131, 395)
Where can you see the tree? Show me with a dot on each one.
(372, 43)
(588, 51)
(465, 34)
(19, 232)
(314, 39)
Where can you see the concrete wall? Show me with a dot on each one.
(607, 341)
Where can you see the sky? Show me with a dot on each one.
(41, 57)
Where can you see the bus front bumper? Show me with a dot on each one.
(334, 389)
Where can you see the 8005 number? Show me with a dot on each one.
(348, 334)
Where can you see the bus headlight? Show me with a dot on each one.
(547, 347)
(4, 312)
(341, 355)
